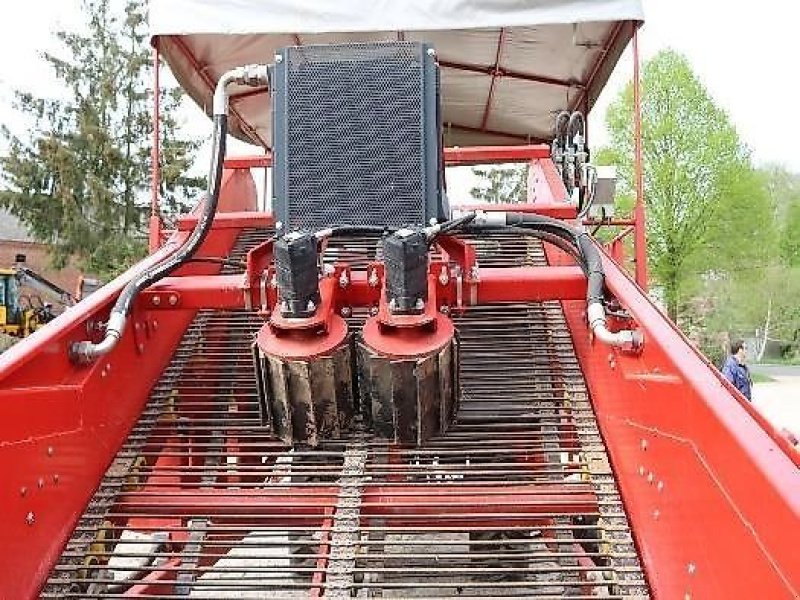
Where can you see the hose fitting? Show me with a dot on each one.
(627, 340)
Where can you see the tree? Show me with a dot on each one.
(707, 209)
(501, 184)
(79, 177)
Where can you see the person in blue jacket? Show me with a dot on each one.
(735, 370)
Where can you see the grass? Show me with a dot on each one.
(761, 378)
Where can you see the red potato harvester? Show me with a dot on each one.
(373, 389)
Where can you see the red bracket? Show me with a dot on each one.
(319, 321)
(258, 288)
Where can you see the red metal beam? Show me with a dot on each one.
(432, 500)
(532, 77)
(255, 161)
(514, 136)
(495, 284)
(230, 220)
(530, 284)
(591, 222)
(556, 210)
(640, 233)
(686, 448)
(211, 85)
(454, 156)
(583, 97)
(220, 292)
(158, 582)
(483, 155)
(154, 227)
(234, 98)
(496, 72)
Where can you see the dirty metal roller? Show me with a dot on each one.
(408, 354)
(302, 355)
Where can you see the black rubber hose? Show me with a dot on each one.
(577, 243)
(338, 230)
(594, 269)
(456, 223)
(546, 236)
(199, 233)
(562, 128)
(576, 118)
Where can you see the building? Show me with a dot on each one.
(15, 239)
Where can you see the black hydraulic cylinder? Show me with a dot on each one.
(297, 275)
(405, 254)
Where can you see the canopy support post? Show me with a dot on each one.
(154, 229)
(640, 235)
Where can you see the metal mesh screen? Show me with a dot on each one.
(355, 135)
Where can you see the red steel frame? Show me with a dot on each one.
(694, 462)
(710, 489)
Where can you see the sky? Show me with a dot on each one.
(741, 51)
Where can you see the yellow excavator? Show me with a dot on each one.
(20, 313)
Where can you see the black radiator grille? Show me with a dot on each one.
(351, 126)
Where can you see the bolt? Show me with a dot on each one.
(687, 596)
(50, 451)
(644, 444)
(444, 276)
(343, 280)
(656, 514)
(373, 278)
(641, 470)
(55, 478)
(346, 311)
(137, 326)
(373, 311)
(311, 307)
(691, 568)
(273, 281)
(141, 347)
(23, 490)
(650, 477)
(173, 300)
(660, 486)
(156, 300)
(155, 324)
(40, 482)
(29, 518)
(445, 310)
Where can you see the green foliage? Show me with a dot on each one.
(790, 238)
(79, 176)
(707, 209)
(501, 184)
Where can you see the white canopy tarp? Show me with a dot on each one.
(507, 66)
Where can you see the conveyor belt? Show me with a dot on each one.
(517, 500)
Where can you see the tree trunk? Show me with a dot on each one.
(766, 331)
(671, 296)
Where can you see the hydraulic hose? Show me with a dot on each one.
(576, 125)
(580, 246)
(341, 230)
(86, 352)
(562, 128)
